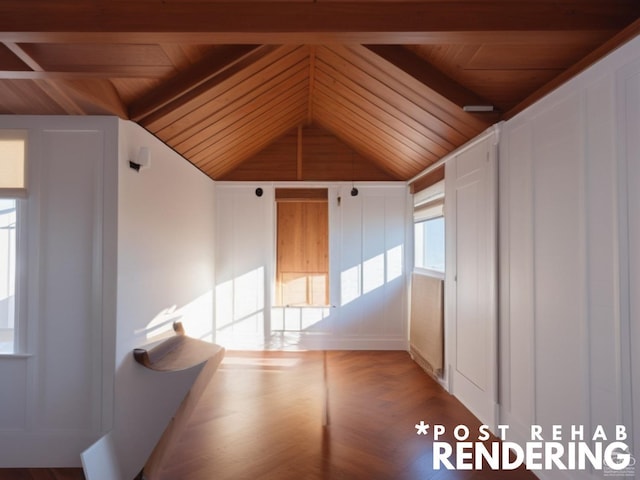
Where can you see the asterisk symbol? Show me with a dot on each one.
(422, 428)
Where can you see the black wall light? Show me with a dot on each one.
(354, 192)
(259, 192)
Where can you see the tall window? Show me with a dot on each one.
(12, 186)
(7, 274)
(303, 247)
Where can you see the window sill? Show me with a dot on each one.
(429, 273)
(15, 355)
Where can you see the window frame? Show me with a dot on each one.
(429, 271)
(19, 195)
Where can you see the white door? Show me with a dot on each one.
(471, 278)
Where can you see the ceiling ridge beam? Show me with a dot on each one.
(275, 22)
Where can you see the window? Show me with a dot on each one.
(13, 181)
(429, 243)
(428, 217)
(7, 274)
(302, 276)
(12, 186)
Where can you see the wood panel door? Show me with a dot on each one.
(471, 278)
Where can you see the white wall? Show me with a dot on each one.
(368, 263)
(165, 273)
(569, 255)
(52, 401)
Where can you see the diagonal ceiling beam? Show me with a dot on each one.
(211, 70)
(307, 22)
(51, 89)
(425, 73)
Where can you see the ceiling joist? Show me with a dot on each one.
(304, 22)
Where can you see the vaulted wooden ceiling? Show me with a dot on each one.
(220, 82)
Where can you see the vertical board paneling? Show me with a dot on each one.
(367, 235)
(571, 206)
(518, 347)
(244, 255)
(67, 319)
(629, 117)
(559, 263)
(602, 256)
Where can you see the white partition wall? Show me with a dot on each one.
(367, 257)
(569, 249)
(52, 400)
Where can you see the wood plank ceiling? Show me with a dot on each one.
(222, 82)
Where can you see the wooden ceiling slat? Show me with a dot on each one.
(231, 125)
(349, 134)
(264, 56)
(389, 151)
(21, 97)
(247, 149)
(409, 126)
(101, 96)
(385, 130)
(214, 112)
(309, 22)
(255, 126)
(240, 94)
(404, 84)
(415, 104)
(343, 106)
(239, 148)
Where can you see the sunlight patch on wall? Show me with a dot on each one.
(395, 263)
(240, 306)
(373, 273)
(350, 286)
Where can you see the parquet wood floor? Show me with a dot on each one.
(262, 418)
(41, 474)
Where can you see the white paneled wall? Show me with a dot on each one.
(52, 403)
(368, 255)
(569, 210)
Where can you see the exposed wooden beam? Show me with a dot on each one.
(212, 69)
(305, 22)
(112, 72)
(425, 73)
(52, 89)
(616, 41)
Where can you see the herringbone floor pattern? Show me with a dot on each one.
(262, 418)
